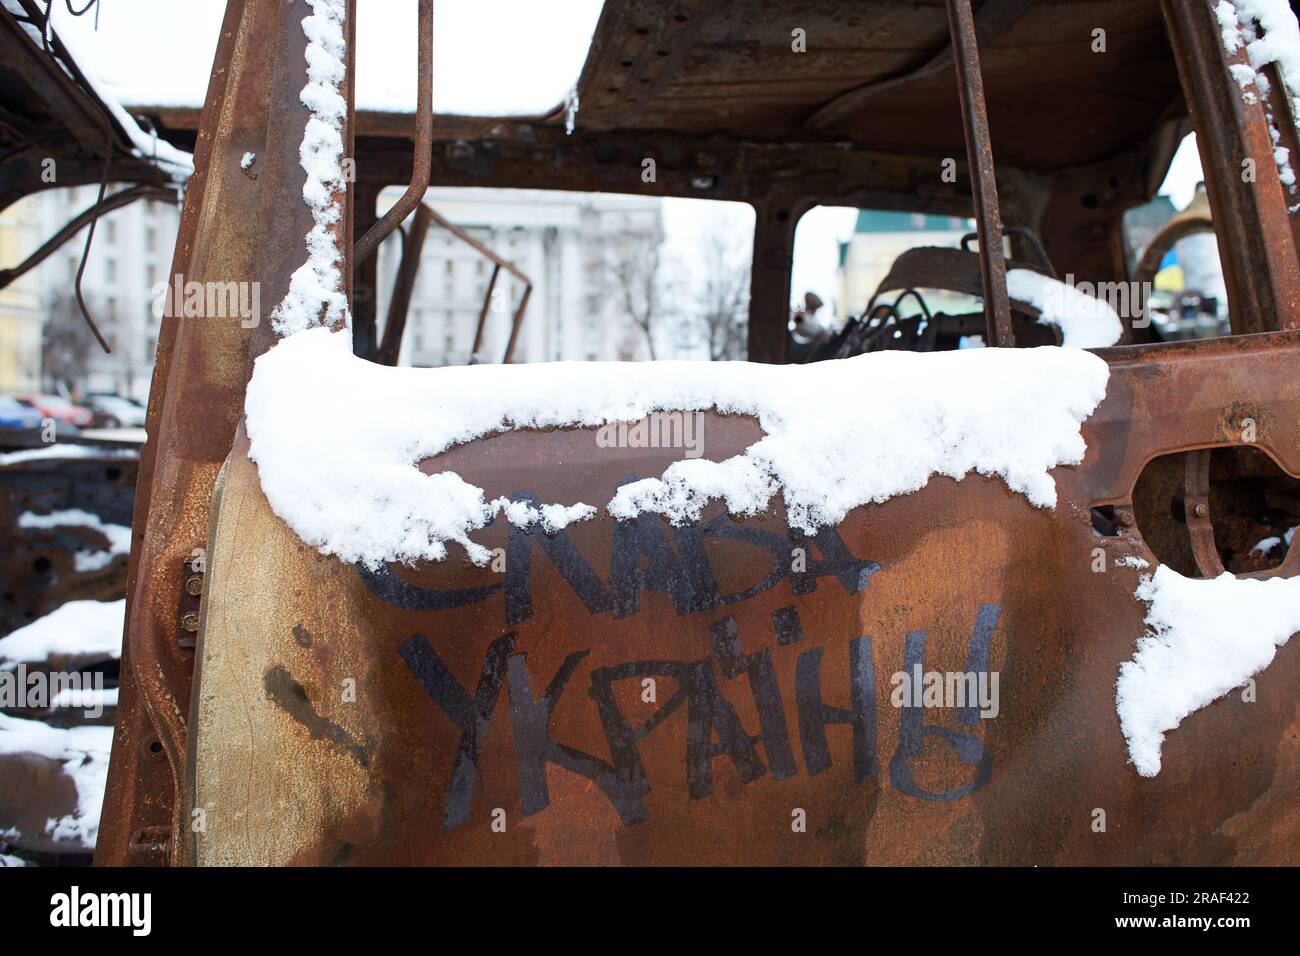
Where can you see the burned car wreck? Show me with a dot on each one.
(880, 599)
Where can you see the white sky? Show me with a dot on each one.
(490, 57)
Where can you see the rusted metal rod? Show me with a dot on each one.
(498, 263)
(482, 315)
(514, 326)
(984, 187)
(77, 223)
(403, 284)
(422, 158)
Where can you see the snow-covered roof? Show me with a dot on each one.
(346, 481)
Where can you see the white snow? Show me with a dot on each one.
(84, 753)
(1268, 544)
(1132, 561)
(1230, 30)
(86, 698)
(316, 292)
(336, 438)
(1203, 639)
(1277, 43)
(75, 628)
(177, 163)
(119, 536)
(7, 859)
(247, 160)
(1085, 322)
(66, 450)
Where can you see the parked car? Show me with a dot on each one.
(60, 409)
(114, 411)
(15, 416)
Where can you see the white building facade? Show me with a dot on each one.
(129, 257)
(571, 245)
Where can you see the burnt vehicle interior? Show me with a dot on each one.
(1053, 133)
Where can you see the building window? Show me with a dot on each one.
(150, 238)
(110, 270)
(110, 231)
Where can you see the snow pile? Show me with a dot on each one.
(66, 450)
(1204, 638)
(76, 629)
(1085, 322)
(341, 471)
(178, 164)
(83, 751)
(316, 284)
(97, 699)
(1240, 22)
(119, 536)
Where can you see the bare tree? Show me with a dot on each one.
(640, 285)
(720, 311)
(66, 344)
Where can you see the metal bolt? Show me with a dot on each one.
(1126, 518)
(194, 585)
(1202, 510)
(190, 622)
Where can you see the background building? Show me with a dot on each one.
(579, 250)
(131, 253)
(590, 258)
(21, 315)
(879, 237)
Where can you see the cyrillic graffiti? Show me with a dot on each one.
(643, 559)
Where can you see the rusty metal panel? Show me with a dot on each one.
(349, 717)
(232, 230)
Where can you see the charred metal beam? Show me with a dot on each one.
(984, 185)
(399, 303)
(415, 190)
(1250, 218)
